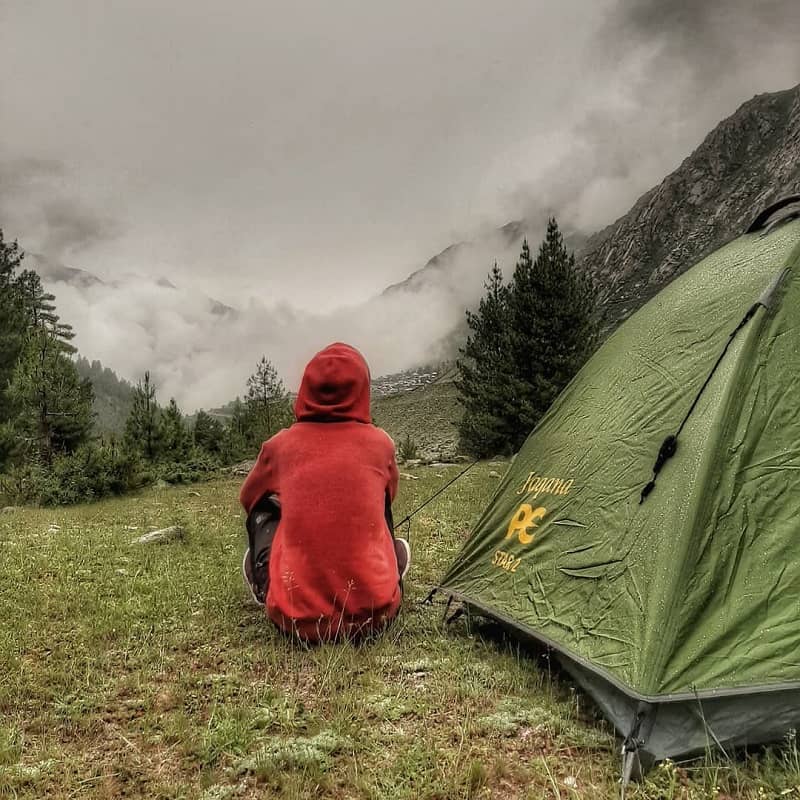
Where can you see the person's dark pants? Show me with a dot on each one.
(262, 523)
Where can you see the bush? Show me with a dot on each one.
(407, 449)
(88, 474)
(24, 484)
(199, 466)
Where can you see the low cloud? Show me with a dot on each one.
(37, 197)
(199, 351)
(203, 359)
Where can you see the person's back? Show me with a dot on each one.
(333, 570)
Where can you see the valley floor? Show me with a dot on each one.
(140, 671)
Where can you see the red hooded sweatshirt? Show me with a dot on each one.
(332, 569)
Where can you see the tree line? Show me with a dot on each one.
(50, 448)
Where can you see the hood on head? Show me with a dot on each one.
(335, 387)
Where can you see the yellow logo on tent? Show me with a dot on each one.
(525, 518)
(538, 484)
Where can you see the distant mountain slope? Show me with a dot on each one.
(748, 161)
(53, 272)
(429, 416)
(461, 268)
(439, 270)
(113, 397)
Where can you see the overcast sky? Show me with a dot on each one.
(316, 151)
(305, 155)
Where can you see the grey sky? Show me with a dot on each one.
(310, 153)
(300, 148)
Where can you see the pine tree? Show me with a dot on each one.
(553, 327)
(267, 403)
(207, 433)
(45, 407)
(526, 342)
(41, 311)
(484, 371)
(175, 440)
(238, 433)
(54, 404)
(142, 429)
(13, 331)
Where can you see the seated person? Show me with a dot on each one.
(322, 554)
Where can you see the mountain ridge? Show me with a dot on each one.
(746, 162)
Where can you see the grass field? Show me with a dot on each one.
(140, 671)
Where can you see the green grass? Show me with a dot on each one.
(141, 672)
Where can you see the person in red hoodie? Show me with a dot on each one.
(322, 554)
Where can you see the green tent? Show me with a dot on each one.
(649, 528)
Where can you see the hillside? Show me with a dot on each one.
(428, 416)
(113, 397)
(748, 161)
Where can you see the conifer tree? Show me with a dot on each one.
(54, 404)
(267, 403)
(553, 327)
(13, 330)
(41, 311)
(175, 440)
(45, 405)
(527, 340)
(142, 429)
(484, 371)
(208, 433)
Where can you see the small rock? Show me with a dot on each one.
(8, 510)
(171, 534)
(495, 474)
(194, 494)
(408, 476)
(131, 527)
(243, 468)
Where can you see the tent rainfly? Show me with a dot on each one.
(649, 528)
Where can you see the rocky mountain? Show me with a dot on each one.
(54, 272)
(748, 161)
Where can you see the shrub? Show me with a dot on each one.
(88, 474)
(199, 466)
(407, 449)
